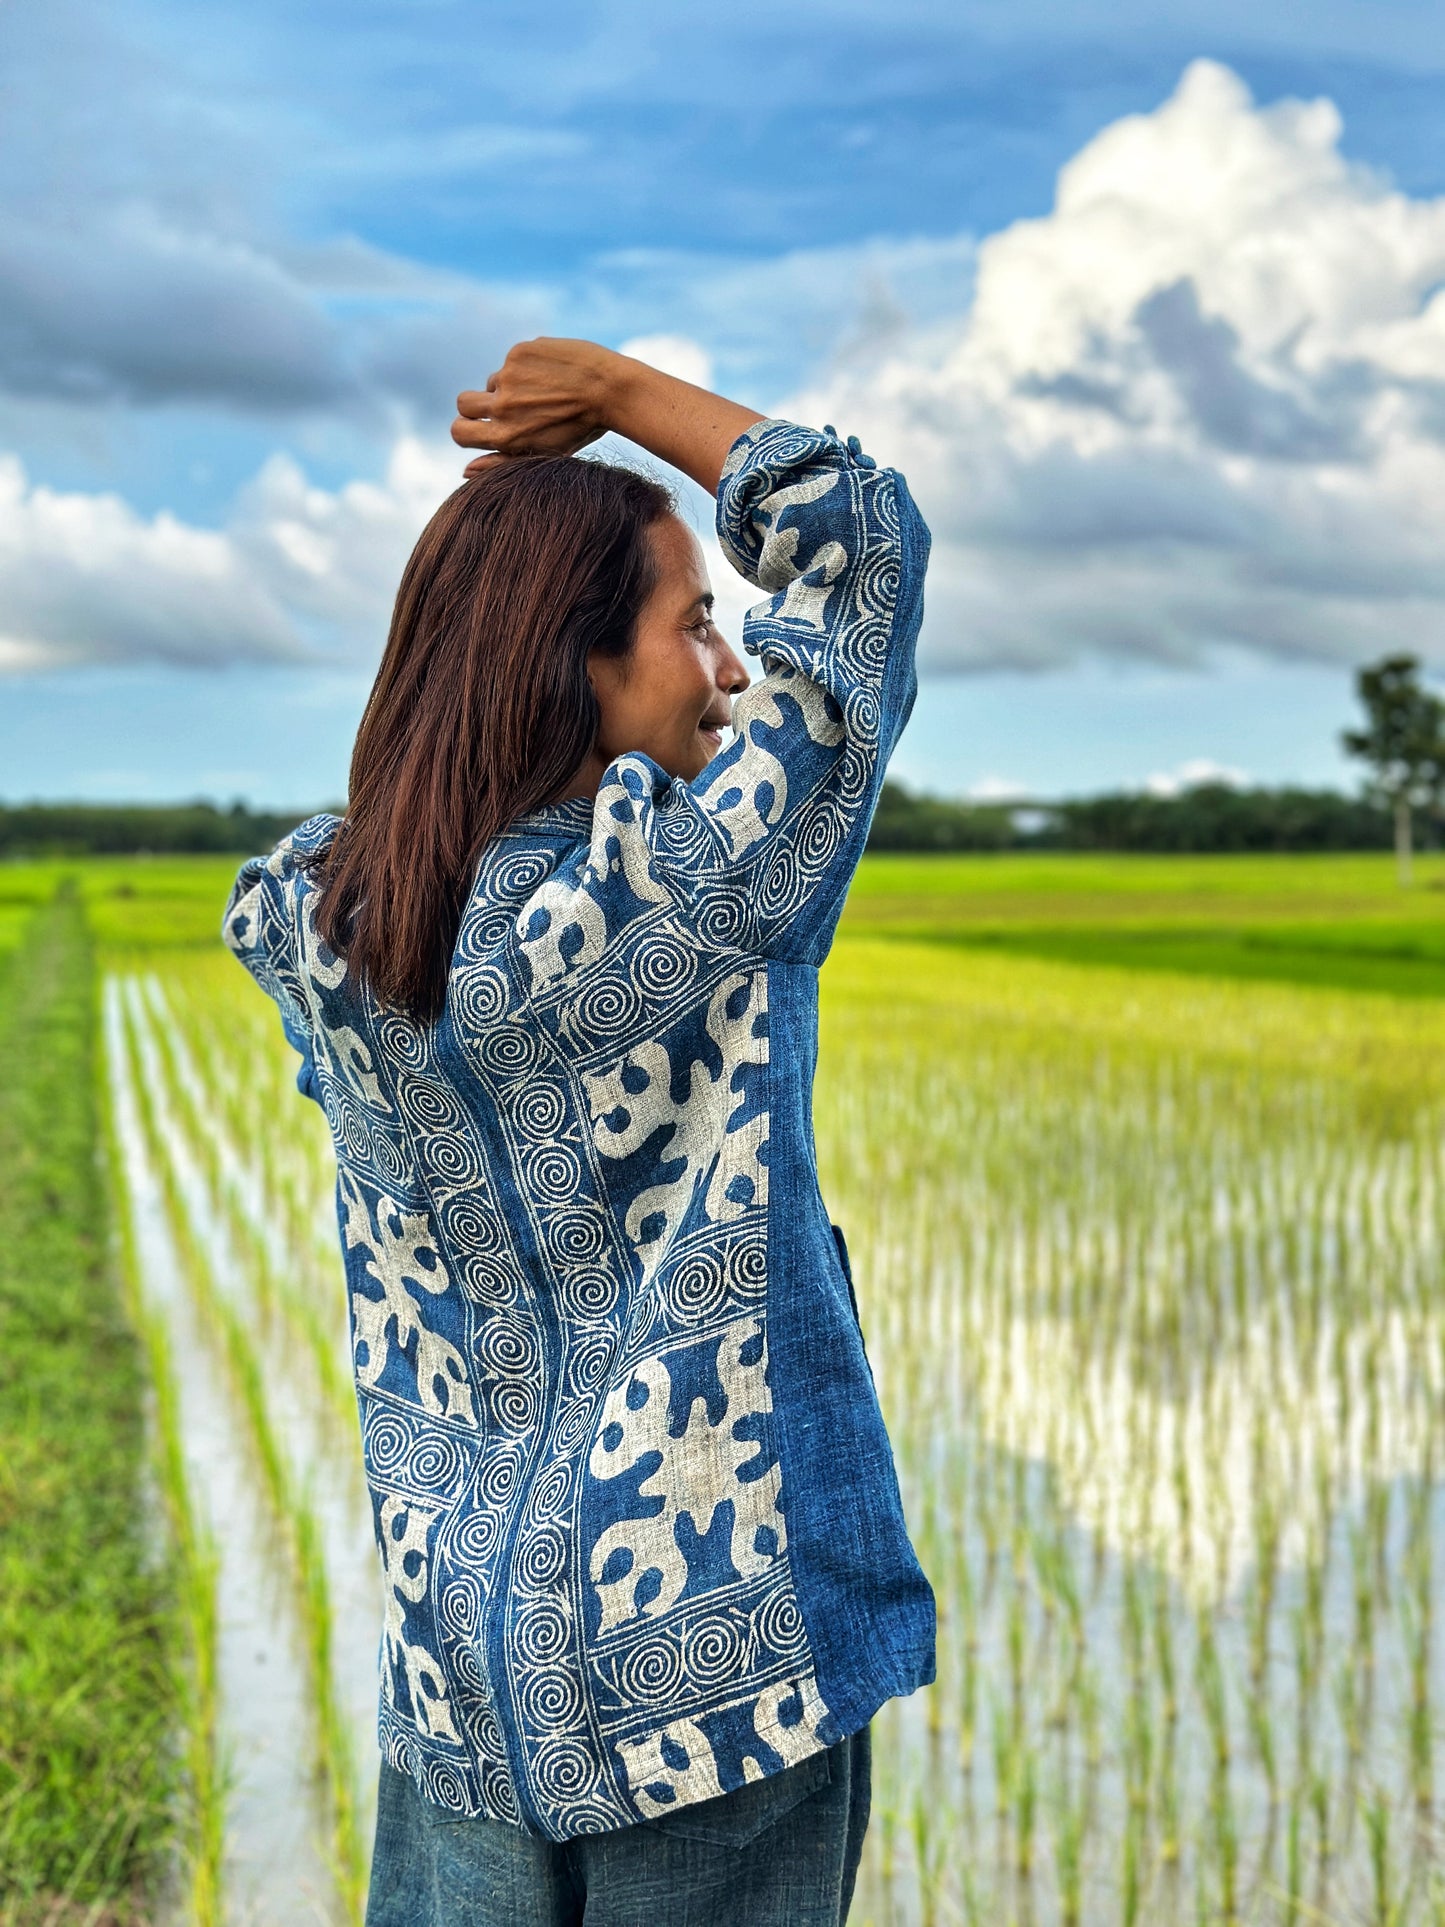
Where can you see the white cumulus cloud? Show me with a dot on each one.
(1190, 775)
(676, 355)
(1200, 403)
(297, 571)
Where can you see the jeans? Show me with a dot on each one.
(780, 1852)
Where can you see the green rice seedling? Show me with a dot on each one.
(1025, 1808)
(1067, 1813)
(292, 1509)
(1320, 1807)
(203, 1830)
(1294, 1857)
(1385, 1903)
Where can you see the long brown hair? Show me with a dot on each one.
(481, 708)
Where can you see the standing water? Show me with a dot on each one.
(274, 1480)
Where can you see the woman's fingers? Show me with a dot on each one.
(546, 399)
(467, 433)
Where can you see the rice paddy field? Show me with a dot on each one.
(1142, 1166)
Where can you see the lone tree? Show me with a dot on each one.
(1403, 743)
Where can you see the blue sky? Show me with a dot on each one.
(1177, 416)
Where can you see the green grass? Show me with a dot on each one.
(1334, 921)
(1330, 921)
(131, 903)
(87, 1692)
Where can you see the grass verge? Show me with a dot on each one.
(87, 1695)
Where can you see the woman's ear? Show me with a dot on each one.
(606, 673)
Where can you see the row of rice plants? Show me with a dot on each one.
(1155, 1315)
(202, 1820)
(284, 1368)
(1161, 1339)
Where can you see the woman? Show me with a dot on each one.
(553, 979)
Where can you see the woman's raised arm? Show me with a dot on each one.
(553, 396)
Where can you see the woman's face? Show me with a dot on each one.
(671, 696)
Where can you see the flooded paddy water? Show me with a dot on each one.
(257, 1338)
(1153, 1296)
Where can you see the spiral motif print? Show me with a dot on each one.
(779, 1626)
(723, 922)
(516, 872)
(405, 1454)
(652, 1671)
(499, 1473)
(540, 1108)
(566, 1771)
(574, 1424)
(459, 1607)
(508, 1051)
(747, 1267)
(465, 1665)
(479, 997)
(555, 1215)
(499, 1796)
(819, 842)
(588, 1358)
(552, 1491)
(445, 1787)
(695, 1289)
(454, 1161)
(682, 832)
(785, 886)
(664, 966)
(476, 1537)
(542, 1561)
(402, 1041)
(506, 1347)
(577, 1235)
(430, 1107)
(541, 1631)
(488, 1277)
(554, 1172)
(604, 1008)
(714, 1648)
(551, 1697)
(588, 1292)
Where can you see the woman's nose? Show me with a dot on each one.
(732, 674)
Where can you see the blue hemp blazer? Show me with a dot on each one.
(637, 1511)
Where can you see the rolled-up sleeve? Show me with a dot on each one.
(260, 927)
(763, 844)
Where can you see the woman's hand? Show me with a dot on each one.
(549, 397)
(552, 396)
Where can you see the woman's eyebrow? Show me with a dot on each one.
(704, 601)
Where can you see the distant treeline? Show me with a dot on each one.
(1208, 817)
(133, 829)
